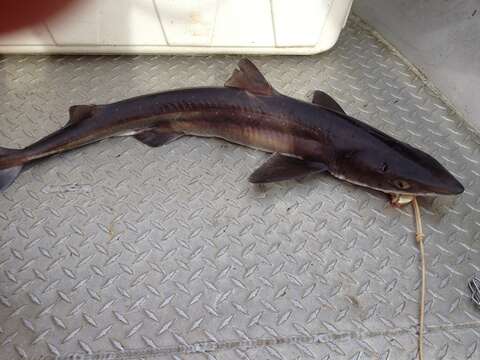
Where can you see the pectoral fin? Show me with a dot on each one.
(325, 100)
(280, 167)
(155, 138)
(248, 77)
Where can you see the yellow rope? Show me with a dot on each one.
(420, 236)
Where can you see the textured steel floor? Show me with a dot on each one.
(138, 252)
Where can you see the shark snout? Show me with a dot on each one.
(449, 185)
(455, 187)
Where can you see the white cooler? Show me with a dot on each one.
(187, 26)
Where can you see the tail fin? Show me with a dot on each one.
(8, 175)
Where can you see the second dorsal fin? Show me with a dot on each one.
(80, 112)
(248, 77)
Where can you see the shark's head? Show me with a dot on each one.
(395, 168)
(365, 156)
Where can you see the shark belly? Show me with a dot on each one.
(246, 131)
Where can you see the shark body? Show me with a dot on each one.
(303, 137)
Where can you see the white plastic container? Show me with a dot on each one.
(187, 26)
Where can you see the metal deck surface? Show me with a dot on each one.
(127, 251)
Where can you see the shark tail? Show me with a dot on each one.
(8, 175)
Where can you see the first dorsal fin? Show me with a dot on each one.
(325, 100)
(80, 112)
(248, 77)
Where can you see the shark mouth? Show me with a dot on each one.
(386, 191)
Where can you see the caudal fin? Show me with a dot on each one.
(8, 175)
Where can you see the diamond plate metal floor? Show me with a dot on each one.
(126, 251)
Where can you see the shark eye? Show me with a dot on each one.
(384, 167)
(401, 184)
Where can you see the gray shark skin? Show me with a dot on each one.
(303, 137)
